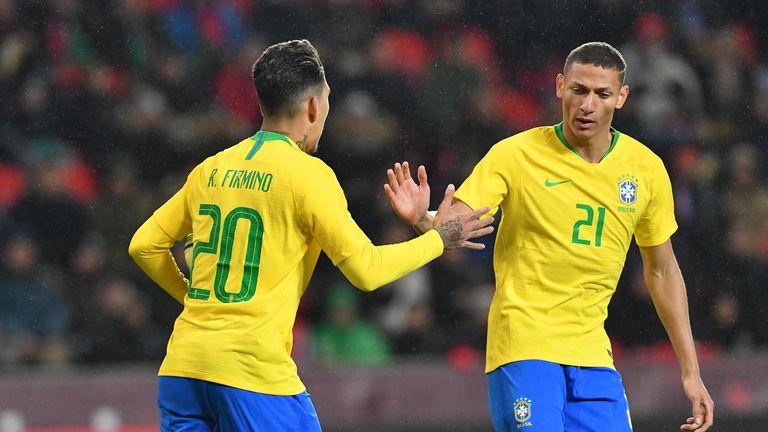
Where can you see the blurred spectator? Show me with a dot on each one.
(120, 209)
(665, 90)
(342, 337)
(33, 315)
(420, 338)
(100, 98)
(48, 209)
(120, 328)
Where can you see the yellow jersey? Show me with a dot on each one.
(563, 238)
(260, 213)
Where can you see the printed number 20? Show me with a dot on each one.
(227, 234)
(589, 221)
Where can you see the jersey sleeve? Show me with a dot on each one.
(151, 244)
(322, 211)
(174, 217)
(486, 185)
(658, 223)
(374, 266)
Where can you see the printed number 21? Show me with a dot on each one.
(227, 234)
(589, 221)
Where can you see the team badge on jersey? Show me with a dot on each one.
(523, 410)
(627, 189)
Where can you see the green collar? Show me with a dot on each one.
(261, 137)
(561, 137)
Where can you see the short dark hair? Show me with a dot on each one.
(285, 74)
(599, 54)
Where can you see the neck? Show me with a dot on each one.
(288, 127)
(592, 149)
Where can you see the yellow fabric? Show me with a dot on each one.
(236, 326)
(556, 265)
(150, 247)
(367, 269)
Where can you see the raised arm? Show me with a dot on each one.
(410, 201)
(374, 266)
(665, 284)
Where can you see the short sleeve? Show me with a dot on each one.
(322, 210)
(658, 223)
(487, 184)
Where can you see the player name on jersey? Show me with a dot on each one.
(241, 179)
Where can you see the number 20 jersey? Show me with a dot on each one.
(563, 238)
(260, 212)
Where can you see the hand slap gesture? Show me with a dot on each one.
(456, 229)
(409, 200)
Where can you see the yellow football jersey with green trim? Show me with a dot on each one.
(563, 238)
(260, 212)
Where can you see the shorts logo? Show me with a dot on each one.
(523, 411)
(627, 189)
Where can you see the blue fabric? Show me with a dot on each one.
(539, 396)
(189, 405)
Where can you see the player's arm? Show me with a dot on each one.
(665, 284)
(151, 245)
(374, 266)
(410, 200)
(151, 249)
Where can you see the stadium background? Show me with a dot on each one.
(106, 106)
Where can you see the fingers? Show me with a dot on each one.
(709, 415)
(689, 425)
(399, 173)
(476, 214)
(447, 199)
(703, 417)
(393, 184)
(421, 172)
(390, 194)
(473, 246)
(406, 171)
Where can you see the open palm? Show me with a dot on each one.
(409, 200)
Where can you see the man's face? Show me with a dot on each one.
(590, 94)
(316, 130)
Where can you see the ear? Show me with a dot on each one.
(559, 85)
(623, 94)
(312, 108)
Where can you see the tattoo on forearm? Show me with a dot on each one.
(302, 142)
(450, 231)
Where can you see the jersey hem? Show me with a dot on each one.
(204, 376)
(569, 361)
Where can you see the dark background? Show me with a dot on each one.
(107, 105)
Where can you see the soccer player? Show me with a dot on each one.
(259, 213)
(572, 196)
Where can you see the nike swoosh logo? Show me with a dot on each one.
(548, 183)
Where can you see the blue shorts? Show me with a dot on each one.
(539, 396)
(194, 405)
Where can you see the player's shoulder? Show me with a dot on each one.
(527, 136)
(312, 165)
(524, 141)
(637, 150)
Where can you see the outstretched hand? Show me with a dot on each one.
(457, 229)
(409, 200)
(702, 406)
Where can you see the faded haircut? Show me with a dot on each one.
(599, 54)
(285, 75)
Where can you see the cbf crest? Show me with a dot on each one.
(628, 189)
(523, 411)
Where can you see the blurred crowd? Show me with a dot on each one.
(107, 105)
